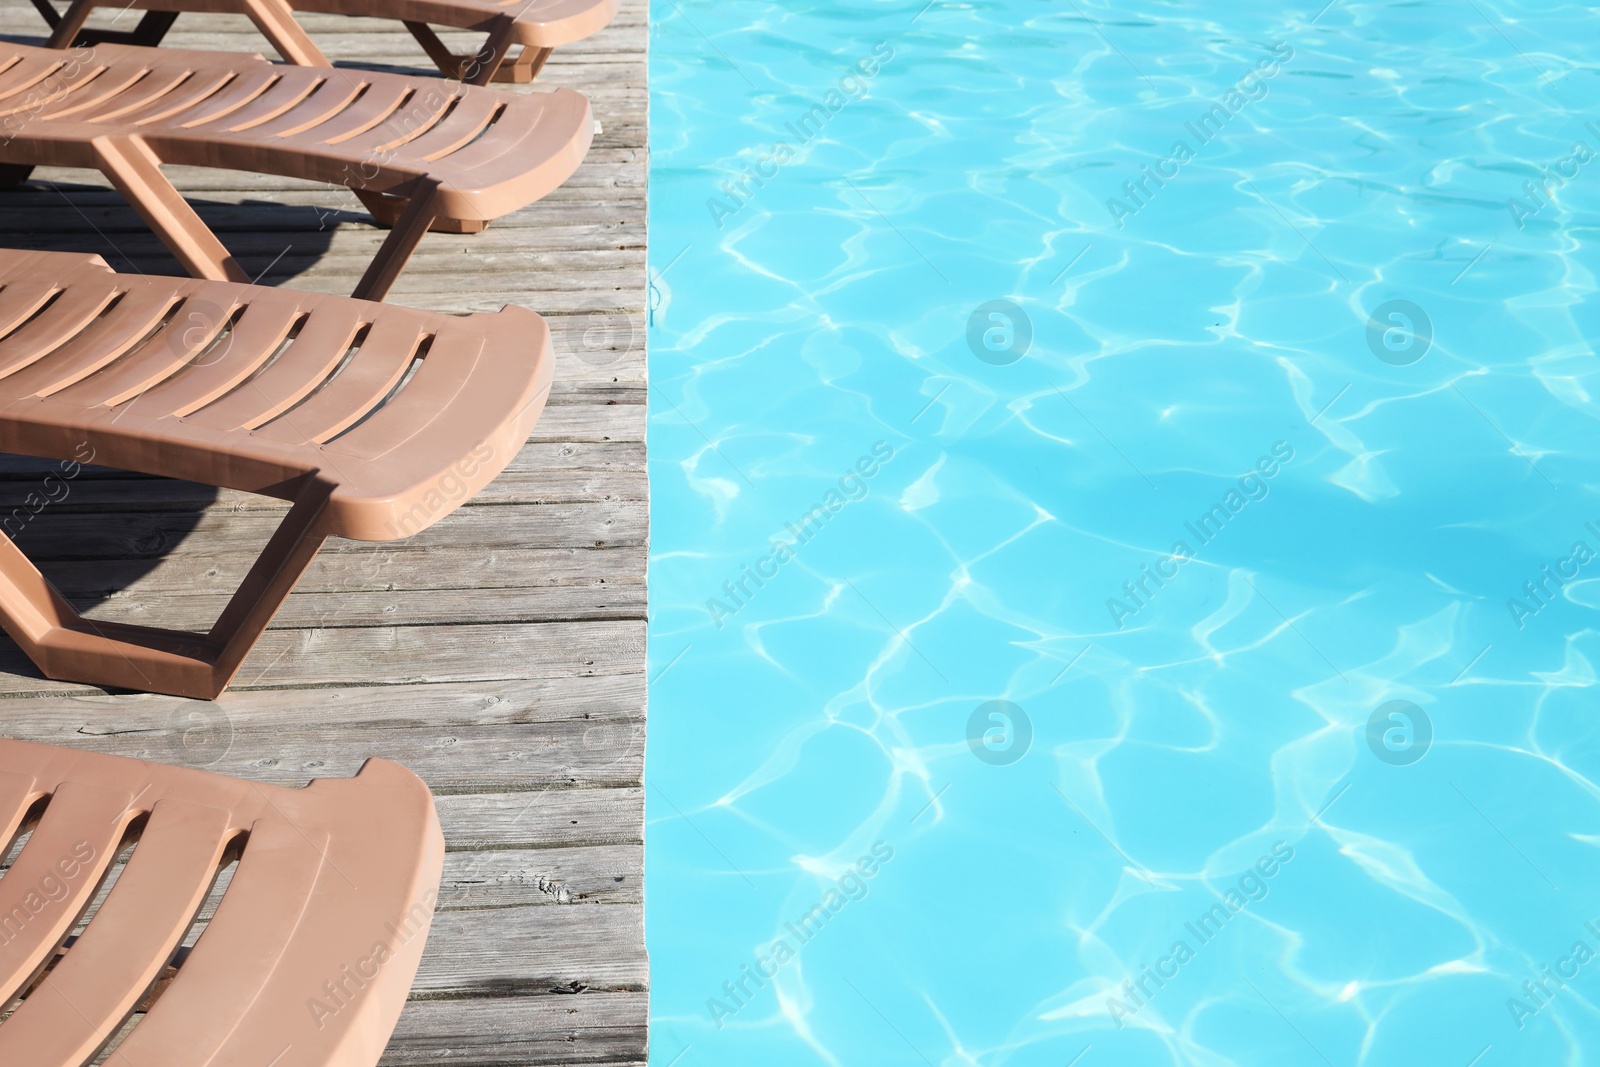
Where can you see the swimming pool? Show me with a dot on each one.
(1125, 546)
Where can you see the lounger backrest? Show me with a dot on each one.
(405, 413)
(309, 956)
(488, 152)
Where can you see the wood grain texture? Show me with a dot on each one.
(500, 654)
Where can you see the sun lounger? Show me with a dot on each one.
(535, 26)
(374, 420)
(418, 152)
(309, 956)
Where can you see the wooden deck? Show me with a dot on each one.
(500, 654)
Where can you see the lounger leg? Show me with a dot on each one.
(386, 211)
(290, 551)
(526, 68)
(69, 31)
(48, 10)
(152, 28)
(136, 172)
(490, 62)
(277, 24)
(403, 238)
(68, 647)
(448, 62)
(481, 68)
(66, 27)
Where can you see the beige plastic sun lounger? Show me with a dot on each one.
(310, 954)
(536, 26)
(375, 420)
(420, 153)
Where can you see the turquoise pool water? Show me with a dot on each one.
(1125, 534)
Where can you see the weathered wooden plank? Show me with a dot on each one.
(366, 585)
(547, 735)
(536, 951)
(598, 1029)
(385, 655)
(352, 567)
(389, 655)
(543, 818)
(575, 524)
(514, 259)
(499, 878)
(52, 221)
(340, 610)
(612, 415)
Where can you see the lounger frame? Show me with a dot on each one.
(66, 645)
(373, 421)
(534, 34)
(418, 153)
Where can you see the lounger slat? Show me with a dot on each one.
(34, 67)
(79, 833)
(135, 316)
(157, 87)
(469, 118)
(195, 325)
(196, 91)
(21, 298)
(168, 352)
(51, 91)
(249, 344)
(314, 352)
(417, 116)
(330, 100)
(451, 363)
(384, 357)
(239, 92)
(378, 101)
(311, 357)
(83, 1001)
(288, 93)
(106, 86)
(67, 316)
(265, 903)
(17, 794)
(496, 157)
